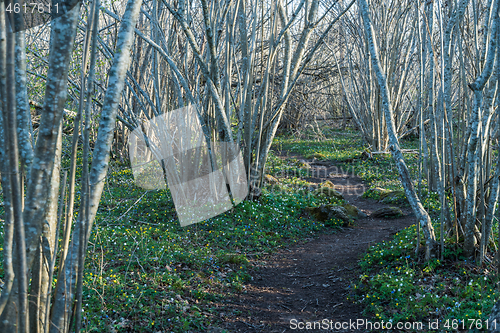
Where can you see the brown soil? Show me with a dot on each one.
(309, 282)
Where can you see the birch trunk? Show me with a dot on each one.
(422, 216)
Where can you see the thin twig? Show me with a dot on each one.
(286, 307)
(303, 276)
(301, 310)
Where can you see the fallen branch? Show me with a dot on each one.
(302, 276)
(286, 307)
(411, 130)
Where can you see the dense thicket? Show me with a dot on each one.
(439, 64)
(238, 62)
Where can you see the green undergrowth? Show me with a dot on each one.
(146, 273)
(347, 151)
(339, 146)
(397, 286)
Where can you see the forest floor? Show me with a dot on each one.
(267, 265)
(311, 281)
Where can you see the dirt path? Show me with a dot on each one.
(309, 282)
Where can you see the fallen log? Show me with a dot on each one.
(404, 151)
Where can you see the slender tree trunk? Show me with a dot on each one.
(472, 152)
(422, 216)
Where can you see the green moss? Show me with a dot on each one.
(329, 192)
(353, 211)
(328, 184)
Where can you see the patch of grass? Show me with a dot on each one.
(396, 287)
(340, 146)
(345, 150)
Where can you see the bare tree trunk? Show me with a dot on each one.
(65, 289)
(422, 216)
(472, 152)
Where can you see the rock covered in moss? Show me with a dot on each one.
(340, 213)
(387, 213)
(303, 164)
(319, 156)
(381, 192)
(397, 196)
(328, 184)
(354, 211)
(327, 212)
(386, 196)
